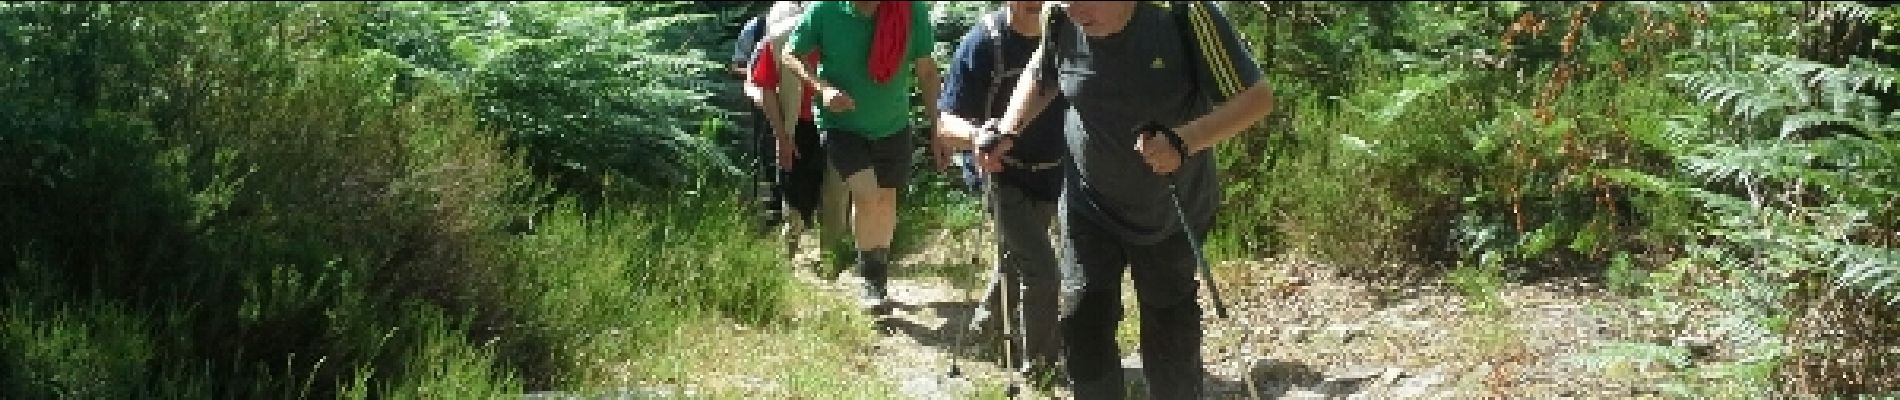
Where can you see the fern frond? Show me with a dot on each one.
(1871, 269)
(1400, 102)
(1793, 167)
(1808, 120)
(1754, 160)
(1747, 95)
(1845, 10)
(1859, 74)
(1683, 135)
(1640, 180)
(1627, 353)
(1880, 76)
(1841, 90)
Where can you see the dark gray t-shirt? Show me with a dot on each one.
(1116, 83)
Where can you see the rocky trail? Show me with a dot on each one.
(1295, 330)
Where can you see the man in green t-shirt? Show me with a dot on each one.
(870, 55)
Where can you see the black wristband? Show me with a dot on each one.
(1174, 138)
(990, 138)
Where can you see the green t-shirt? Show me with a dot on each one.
(842, 37)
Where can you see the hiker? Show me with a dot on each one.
(765, 189)
(870, 54)
(803, 175)
(1125, 67)
(975, 93)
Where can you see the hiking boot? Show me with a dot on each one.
(872, 265)
(874, 297)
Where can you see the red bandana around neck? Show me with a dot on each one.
(888, 40)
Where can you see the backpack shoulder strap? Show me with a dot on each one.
(1190, 42)
(1212, 70)
(994, 24)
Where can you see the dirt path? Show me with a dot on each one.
(922, 345)
(1296, 331)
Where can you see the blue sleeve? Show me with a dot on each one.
(748, 40)
(967, 83)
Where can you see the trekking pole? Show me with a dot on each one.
(1200, 260)
(995, 284)
(1207, 273)
(1000, 282)
(961, 339)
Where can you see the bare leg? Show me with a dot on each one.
(873, 219)
(874, 211)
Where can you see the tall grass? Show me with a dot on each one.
(596, 282)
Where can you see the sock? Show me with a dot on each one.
(874, 265)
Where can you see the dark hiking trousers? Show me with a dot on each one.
(1163, 275)
(1029, 263)
(767, 193)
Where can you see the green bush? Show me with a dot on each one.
(1778, 186)
(600, 98)
(286, 207)
(1369, 181)
(58, 349)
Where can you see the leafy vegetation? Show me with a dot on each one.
(251, 200)
(1687, 153)
(312, 200)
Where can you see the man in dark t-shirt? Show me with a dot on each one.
(1123, 66)
(1023, 197)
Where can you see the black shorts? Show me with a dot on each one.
(889, 157)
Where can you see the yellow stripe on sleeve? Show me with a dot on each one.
(1214, 50)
